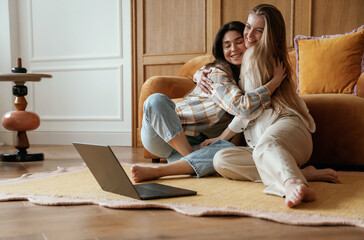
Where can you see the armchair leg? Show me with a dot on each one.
(156, 160)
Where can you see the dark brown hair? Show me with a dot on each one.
(217, 49)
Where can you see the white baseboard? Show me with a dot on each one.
(6, 137)
(67, 138)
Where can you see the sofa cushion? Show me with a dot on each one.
(339, 136)
(329, 64)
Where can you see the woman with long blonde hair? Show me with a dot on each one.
(279, 136)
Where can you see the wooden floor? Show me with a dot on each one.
(23, 220)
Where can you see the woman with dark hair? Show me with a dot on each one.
(279, 135)
(174, 131)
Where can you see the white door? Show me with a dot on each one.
(86, 46)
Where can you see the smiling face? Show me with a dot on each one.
(253, 30)
(233, 47)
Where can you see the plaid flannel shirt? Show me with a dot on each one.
(199, 111)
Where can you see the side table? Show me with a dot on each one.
(21, 120)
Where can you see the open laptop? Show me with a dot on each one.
(111, 176)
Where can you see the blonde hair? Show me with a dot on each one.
(259, 60)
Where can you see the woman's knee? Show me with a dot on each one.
(264, 147)
(157, 102)
(222, 158)
(218, 159)
(236, 163)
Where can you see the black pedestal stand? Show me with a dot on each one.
(22, 156)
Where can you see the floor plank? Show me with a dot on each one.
(24, 220)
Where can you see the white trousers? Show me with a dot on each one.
(278, 155)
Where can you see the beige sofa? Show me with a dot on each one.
(338, 140)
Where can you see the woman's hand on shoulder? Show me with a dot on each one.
(279, 75)
(203, 81)
(279, 71)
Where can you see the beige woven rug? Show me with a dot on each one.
(336, 204)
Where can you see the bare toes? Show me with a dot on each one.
(135, 173)
(296, 192)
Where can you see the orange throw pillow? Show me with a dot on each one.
(330, 64)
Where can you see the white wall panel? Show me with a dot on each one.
(70, 29)
(88, 94)
(86, 46)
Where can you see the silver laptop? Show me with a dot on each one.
(111, 176)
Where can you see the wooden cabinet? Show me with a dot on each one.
(167, 33)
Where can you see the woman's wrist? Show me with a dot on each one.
(272, 85)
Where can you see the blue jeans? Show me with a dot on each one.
(161, 124)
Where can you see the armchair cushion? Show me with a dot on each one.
(190, 67)
(330, 64)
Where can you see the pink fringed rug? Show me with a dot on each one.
(336, 204)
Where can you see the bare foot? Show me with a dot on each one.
(320, 175)
(144, 172)
(141, 173)
(297, 192)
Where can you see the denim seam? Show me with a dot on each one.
(192, 165)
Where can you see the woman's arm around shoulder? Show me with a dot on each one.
(228, 95)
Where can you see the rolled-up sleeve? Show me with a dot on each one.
(227, 95)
